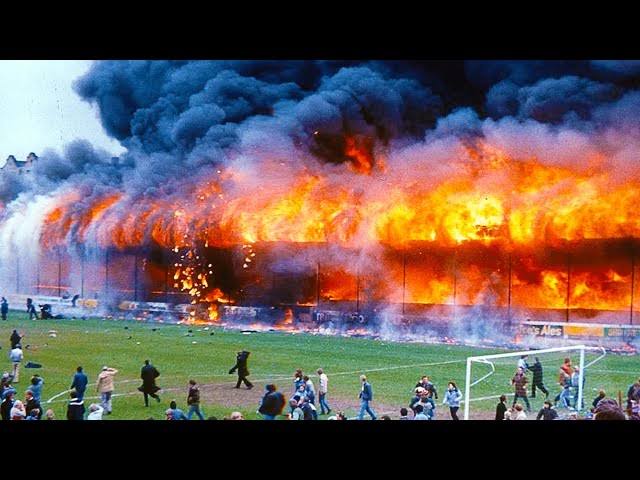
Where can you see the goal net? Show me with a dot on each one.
(490, 376)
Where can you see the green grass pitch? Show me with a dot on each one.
(393, 368)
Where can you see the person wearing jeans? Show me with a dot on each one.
(366, 395)
(193, 400)
(565, 395)
(105, 387)
(322, 392)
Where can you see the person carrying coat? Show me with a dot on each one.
(243, 370)
(148, 374)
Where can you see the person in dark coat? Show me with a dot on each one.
(243, 370)
(366, 395)
(547, 412)
(15, 339)
(601, 395)
(6, 406)
(31, 309)
(75, 408)
(32, 404)
(537, 380)
(79, 383)
(501, 408)
(272, 403)
(4, 308)
(148, 374)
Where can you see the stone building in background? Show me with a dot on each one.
(19, 166)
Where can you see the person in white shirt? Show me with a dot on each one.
(18, 412)
(310, 389)
(522, 363)
(95, 412)
(515, 413)
(322, 392)
(16, 357)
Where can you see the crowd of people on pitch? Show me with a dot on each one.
(302, 403)
(306, 399)
(602, 407)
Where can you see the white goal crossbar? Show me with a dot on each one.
(486, 359)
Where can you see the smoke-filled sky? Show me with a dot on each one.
(367, 147)
(39, 109)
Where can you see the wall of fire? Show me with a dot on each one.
(591, 281)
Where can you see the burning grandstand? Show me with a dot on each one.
(344, 195)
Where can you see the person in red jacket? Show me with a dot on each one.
(519, 381)
(193, 400)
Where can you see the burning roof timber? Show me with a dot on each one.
(366, 168)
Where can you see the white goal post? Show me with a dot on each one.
(487, 360)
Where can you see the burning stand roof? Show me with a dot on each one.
(364, 159)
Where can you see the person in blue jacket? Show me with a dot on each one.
(366, 395)
(79, 384)
(453, 398)
(36, 386)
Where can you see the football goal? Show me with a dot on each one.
(489, 376)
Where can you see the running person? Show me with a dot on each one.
(148, 374)
(453, 398)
